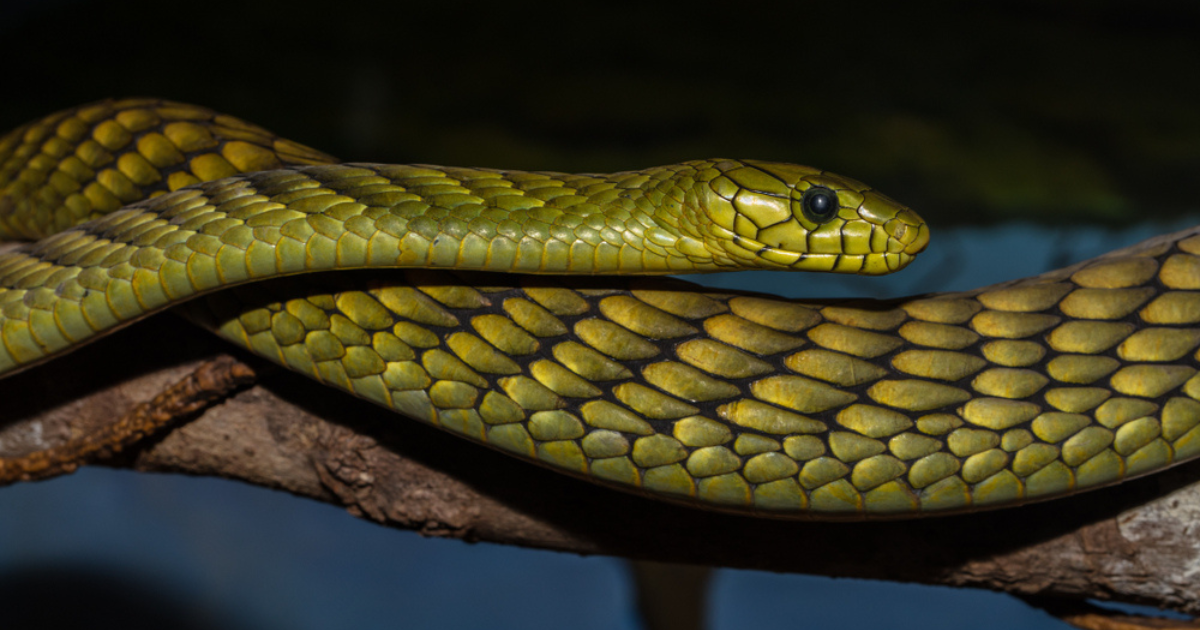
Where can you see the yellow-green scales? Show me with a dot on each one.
(1037, 388)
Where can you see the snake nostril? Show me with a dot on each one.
(899, 230)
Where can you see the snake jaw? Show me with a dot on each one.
(870, 264)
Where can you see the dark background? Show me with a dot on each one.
(969, 112)
(1072, 114)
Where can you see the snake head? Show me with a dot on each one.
(785, 216)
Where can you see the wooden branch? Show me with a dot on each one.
(1133, 543)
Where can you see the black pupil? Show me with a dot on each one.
(820, 204)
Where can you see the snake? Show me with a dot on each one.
(523, 311)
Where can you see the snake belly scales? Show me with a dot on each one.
(943, 403)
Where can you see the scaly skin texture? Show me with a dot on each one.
(1034, 389)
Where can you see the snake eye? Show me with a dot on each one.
(819, 204)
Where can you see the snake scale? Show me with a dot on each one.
(944, 403)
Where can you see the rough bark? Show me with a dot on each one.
(1132, 543)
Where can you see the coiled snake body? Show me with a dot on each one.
(1040, 387)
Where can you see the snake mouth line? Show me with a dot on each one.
(864, 264)
(871, 264)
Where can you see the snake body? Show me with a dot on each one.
(1037, 388)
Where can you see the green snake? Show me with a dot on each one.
(944, 403)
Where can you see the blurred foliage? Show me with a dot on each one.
(970, 112)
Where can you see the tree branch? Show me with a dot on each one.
(1132, 543)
